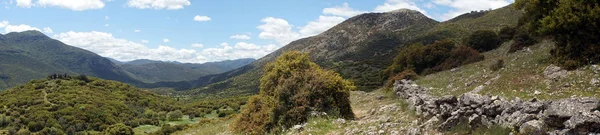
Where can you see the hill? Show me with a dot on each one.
(360, 47)
(66, 105)
(158, 71)
(33, 55)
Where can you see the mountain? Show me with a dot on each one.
(33, 55)
(359, 48)
(159, 71)
(67, 105)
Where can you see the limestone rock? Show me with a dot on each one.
(562, 110)
(533, 127)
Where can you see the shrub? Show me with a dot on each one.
(175, 115)
(483, 40)
(507, 33)
(118, 129)
(497, 66)
(23, 131)
(406, 74)
(224, 113)
(291, 87)
(167, 129)
(441, 55)
(521, 40)
(573, 24)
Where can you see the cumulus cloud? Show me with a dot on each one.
(197, 45)
(240, 37)
(106, 45)
(47, 30)
(463, 6)
(166, 40)
(238, 51)
(159, 4)
(24, 3)
(322, 24)
(391, 5)
(76, 5)
(344, 11)
(277, 29)
(21, 27)
(201, 18)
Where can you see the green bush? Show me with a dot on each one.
(483, 40)
(118, 129)
(497, 66)
(439, 56)
(573, 24)
(291, 87)
(507, 33)
(521, 40)
(175, 115)
(224, 113)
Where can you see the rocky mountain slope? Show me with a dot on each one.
(360, 47)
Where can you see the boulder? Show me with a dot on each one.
(562, 110)
(448, 99)
(584, 122)
(595, 82)
(473, 99)
(554, 73)
(533, 127)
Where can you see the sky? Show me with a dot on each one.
(198, 31)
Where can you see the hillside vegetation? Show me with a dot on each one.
(67, 105)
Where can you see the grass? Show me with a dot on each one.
(521, 76)
(215, 127)
(145, 129)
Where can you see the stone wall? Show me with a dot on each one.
(565, 116)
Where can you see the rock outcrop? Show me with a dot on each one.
(565, 116)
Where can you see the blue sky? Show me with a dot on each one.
(198, 31)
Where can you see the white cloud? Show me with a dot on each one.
(322, 24)
(159, 4)
(344, 11)
(240, 50)
(137, 31)
(145, 41)
(106, 18)
(277, 29)
(76, 5)
(391, 5)
(166, 40)
(240, 37)
(47, 30)
(108, 46)
(106, 25)
(201, 18)
(197, 45)
(19, 28)
(3, 24)
(24, 3)
(464, 6)
(22, 27)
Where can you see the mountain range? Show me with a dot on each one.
(32, 55)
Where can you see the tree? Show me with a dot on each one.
(118, 129)
(291, 87)
(483, 40)
(573, 24)
(175, 115)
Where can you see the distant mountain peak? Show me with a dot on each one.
(27, 34)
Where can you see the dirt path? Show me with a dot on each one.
(46, 97)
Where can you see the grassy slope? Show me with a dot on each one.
(523, 70)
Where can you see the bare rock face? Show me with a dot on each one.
(554, 73)
(566, 116)
(562, 110)
(534, 127)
